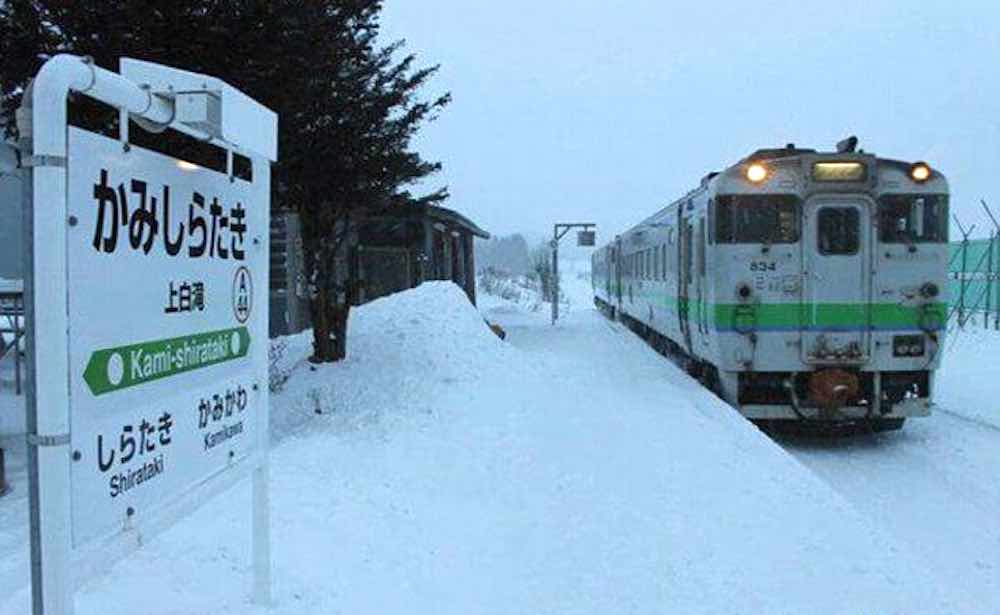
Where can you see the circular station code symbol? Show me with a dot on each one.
(242, 294)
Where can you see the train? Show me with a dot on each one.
(798, 285)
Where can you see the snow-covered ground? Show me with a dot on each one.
(935, 485)
(569, 469)
(969, 380)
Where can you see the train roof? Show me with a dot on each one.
(783, 157)
(779, 152)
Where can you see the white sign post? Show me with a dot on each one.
(147, 302)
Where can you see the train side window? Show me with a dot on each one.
(757, 218)
(838, 231)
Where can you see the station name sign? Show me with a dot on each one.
(167, 351)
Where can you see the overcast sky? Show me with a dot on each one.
(569, 110)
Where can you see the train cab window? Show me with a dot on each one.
(757, 218)
(838, 231)
(913, 218)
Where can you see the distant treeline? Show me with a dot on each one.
(509, 254)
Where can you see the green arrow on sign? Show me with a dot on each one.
(113, 369)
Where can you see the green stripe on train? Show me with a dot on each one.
(834, 315)
(810, 315)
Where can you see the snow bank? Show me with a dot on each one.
(402, 350)
(967, 384)
(433, 327)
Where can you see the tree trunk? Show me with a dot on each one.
(338, 329)
(322, 343)
(330, 304)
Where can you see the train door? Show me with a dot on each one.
(684, 280)
(836, 261)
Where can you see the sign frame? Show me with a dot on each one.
(56, 566)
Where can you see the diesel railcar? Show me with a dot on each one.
(799, 285)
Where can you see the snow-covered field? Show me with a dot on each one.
(569, 469)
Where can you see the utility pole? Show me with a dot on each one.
(584, 237)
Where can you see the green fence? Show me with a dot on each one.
(973, 288)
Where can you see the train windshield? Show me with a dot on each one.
(757, 218)
(913, 218)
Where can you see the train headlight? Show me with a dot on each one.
(930, 290)
(756, 172)
(744, 292)
(920, 172)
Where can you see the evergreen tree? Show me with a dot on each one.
(348, 106)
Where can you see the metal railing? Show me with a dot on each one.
(973, 269)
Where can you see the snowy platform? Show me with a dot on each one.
(569, 469)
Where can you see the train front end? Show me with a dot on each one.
(830, 274)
